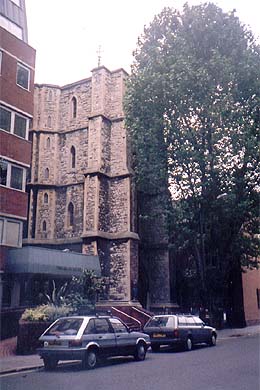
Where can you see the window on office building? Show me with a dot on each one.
(14, 123)
(12, 176)
(17, 2)
(5, 119)
(16, 180)
(10, 232)
(20, 124)
(23, 76)
(1, 57)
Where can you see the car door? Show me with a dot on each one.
(125, 340)
(99, 331)
(105, 336)
(201, 330)
(192, 329)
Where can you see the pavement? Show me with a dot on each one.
(10, 362)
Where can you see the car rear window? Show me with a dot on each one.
(167, 322)
(65, 326)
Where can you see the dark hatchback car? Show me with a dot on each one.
(181, 330)
(88, 338)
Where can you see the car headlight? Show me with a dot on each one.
(45, 344)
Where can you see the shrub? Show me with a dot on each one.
(46, 313)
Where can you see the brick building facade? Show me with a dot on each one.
(80, 190)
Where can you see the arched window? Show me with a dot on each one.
(46, 173)
(73, 157)
(46, 198)
(49, 121)
(74, 107)
(48, 143)
(44, 226)
(50, 95)
(70, 214)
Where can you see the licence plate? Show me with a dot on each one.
(159, 335)
(54, 342)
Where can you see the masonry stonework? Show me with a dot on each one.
(81, 183)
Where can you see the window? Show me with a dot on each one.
(198, 321)
(23, 76)
(16, 180)
(258, 297)
(44, 226)
(3, 173)
(20, 126)
(102, 326)
(1, 56)
(46, 198)
(11, 27)
(73, 157)
(5, 119)
(49, 121)
(46, 173)
(12, 176)
(118, 326)
(74, 107)
(48, 143)
(65, 327)
(90, 328)
(70, 214)
(17, 2)
(14, 123)
(50, 95)
(10, 232)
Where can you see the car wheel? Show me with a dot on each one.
(155, 348)
(50, 363)
(91, 359)
(188, 344)
(213, 340)
(140, 352)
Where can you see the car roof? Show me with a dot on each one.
(82, 317)
(175, 315)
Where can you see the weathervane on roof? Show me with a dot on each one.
(99, 51)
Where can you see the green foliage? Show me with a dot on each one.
(82, 291)
(46, 313)
(192, 108)
(57, 296)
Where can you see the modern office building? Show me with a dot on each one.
(17, 60)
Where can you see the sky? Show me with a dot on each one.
(67, 34)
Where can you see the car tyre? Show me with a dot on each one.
(50, 363)
(91, 359)
(140, 352)
(155, 348)
(188, 344)
(213, 340)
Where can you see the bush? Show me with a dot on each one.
(46, 313)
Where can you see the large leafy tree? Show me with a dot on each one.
(192, 108)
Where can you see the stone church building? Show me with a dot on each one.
(80, 189)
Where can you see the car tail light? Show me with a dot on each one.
(176, 333)
(75, 343)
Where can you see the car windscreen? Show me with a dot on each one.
(167, 322)
(65, 326)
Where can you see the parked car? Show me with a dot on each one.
(88, 338)
(182, 330)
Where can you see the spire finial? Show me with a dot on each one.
(99, 51)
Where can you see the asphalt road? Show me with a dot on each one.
(233, 364)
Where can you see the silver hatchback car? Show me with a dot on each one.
(88, 338)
